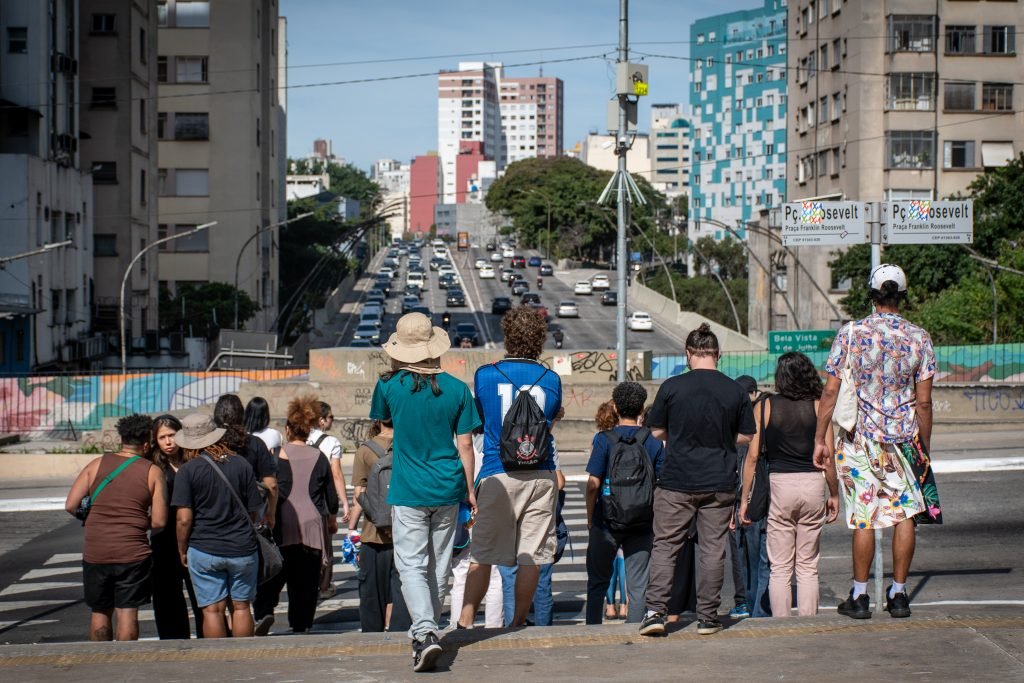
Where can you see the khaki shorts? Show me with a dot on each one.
(515, 521)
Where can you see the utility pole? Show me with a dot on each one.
(621, 148)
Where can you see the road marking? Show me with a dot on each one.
(62, 558)
(50, 572)
(19, 588)
(472, 306)
(15, 605)
(31, 504)
(977, 465)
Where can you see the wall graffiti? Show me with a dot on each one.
(995, 399)
(353, 430)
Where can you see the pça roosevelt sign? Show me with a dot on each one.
(823, 223)
(927, 222)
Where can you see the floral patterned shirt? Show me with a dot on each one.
(890, 356)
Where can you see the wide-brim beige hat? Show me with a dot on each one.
(198, 431)
(415, 339)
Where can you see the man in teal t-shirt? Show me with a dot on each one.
(434, 416)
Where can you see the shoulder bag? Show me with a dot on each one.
(845, 412)
(271, 561)
(759, 498)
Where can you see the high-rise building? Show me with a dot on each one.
(599, 151)
(221, 122)
(467, 111)
(424, 191)
(670, 150)
(118, 48)
(531, 117)
(738, 114)
(926, 96)
(45, 193)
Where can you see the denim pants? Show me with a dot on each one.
(424, 537)
(543, 599)
(756, 569)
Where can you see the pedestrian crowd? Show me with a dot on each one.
(222, 512)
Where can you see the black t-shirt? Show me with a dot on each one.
(219, 527)
(703, 411)
(259, 458)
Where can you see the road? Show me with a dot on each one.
(594, 329)
(974, 559)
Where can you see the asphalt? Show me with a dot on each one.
(932, 645)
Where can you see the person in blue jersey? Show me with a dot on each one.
(515, 523)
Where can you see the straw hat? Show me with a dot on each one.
(198, 431)
(416, 339)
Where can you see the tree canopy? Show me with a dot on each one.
(200, 310)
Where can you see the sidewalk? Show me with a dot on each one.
(933, 645)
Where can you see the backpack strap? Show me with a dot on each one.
(518, 391)
(612, 436)
(641, 435)
(323, 435)
(375, 447)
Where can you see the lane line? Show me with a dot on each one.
(484, 332)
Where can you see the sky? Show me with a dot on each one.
(398, 118)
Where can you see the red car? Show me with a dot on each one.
(518, 262)
(541, 309)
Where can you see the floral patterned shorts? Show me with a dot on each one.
(885, 483)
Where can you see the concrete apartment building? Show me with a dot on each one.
(531, 117)
(221, 128)
(45, 195)
(467, 111)
(118, 47)
(925, 98)
(424, 191)
(393, 177)
(598, 151)
(669, 150)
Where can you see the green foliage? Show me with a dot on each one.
(703, 295)
(728, 256)
(201, 308)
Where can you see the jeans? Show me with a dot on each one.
(617, 585)
(424, 538)
(756, 570)
(543, 599)
(602, 548)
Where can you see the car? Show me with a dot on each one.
(436, 242)
(507, 252)
(600, 282)
(534, 262)
(506, 273)
(487, 272)
(583, 287)
(391, 263)
(610, 298)
(415, 280)
(390, 272)
(466, 331)
(541, 309)
(500, 305)
(374, 297)
(568, 309)
(373, 307)
(446, 268)
(529, 297)
(413, 290)
(361, 344)
(640, 321)
(417, 268)
(520, 287)
(446, 281)
(489, 246)
(392, 253)
(516, 277)
(546, 269)
(368, 332)
(383, 285)
(436, 262)
(518, 262)
(479, 263)
(422, 309)
(442, 253)
(455, 297)
(370, 317)
(496, 257)
(403, 250)
(414, 258)
(409, 302)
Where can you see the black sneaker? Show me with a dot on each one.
(709, 627)
(898, 606)
(653, 624)
(425, 653)
(859, 608)
(263, 625)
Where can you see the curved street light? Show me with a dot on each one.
(238, 260)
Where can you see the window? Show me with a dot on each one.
(143, 47)
(997, 96)
(162, 187)
(911, 91)
(161, 126)
(836, 105)
(143, 114)
(823, 110)
(191, 69)
(17, 40)
(104, 244)
(910, 149)
(161, 69)
(192, 13)
(143, 194)
(104, 172)
(999, 40)
(835, 161)
(959, 97)
(911, 33)
(835, 53)
(161, 12)
(103, 98)
(960, 40)
(104, 24)
(823, 56)
(192, 182)
(958, 154)
(199, 242)
(191, 126)
(995, 154)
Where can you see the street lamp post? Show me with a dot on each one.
(4, 260)
(127, 272)
(238, 260)
(991, 265)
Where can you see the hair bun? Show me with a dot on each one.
(704, 328)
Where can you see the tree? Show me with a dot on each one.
(727, 255)
(703, 295)
(199, 311)
(345, 181)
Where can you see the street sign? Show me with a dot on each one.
(921, 221)
(824, 224)
(803, 341)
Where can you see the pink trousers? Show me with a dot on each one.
(795, 518)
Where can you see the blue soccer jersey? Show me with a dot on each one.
(494, 395)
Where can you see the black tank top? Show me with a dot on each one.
(789, 436)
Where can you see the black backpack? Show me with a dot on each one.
(374, 500)
(627, 503)
(525, 431)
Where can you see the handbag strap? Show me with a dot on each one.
(234, 494)
(764, 442)
(849, 345)
(112, 476)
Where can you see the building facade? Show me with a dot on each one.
(467, 111)
(599, 151)
(531, 117)
(45, 194)
(220, 125)
(670, 148)
(424, 191)
(738, 112)
(926, 98)
(118, 46)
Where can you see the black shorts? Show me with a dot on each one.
(122, 586)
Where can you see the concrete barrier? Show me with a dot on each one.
(667, 311)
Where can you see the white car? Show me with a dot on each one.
(441, 253)
(416, 279)
(447, 270)
(507, 252)
(583, 287)
(487, 272)
(390, 272)
(568, 309)
(496, 257)
(600, 282)
(640, 321)
(479, 263)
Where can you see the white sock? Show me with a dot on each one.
(896, 588)
(650, 613)
(859, 588)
